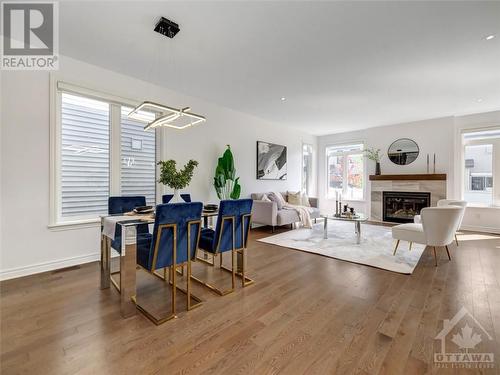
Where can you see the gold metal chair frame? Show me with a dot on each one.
(172, 279)
(245, 281)
(433, 248)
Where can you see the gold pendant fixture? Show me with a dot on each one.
(168, 116)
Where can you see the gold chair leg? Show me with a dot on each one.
(397, 244)
(435, 256)
(456, 239)
(448, 251)
(409, 247)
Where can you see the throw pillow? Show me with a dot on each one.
(265, 198)
(295, 198)
(278, 198)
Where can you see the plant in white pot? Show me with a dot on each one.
(174, 179)
(374, 154)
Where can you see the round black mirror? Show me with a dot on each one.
(403, 151)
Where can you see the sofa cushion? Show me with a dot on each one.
(277, 198)
(287, 217)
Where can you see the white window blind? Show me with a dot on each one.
(138, 170)
(84, 160)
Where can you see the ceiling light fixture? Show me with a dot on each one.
(169, 117)
(489, 37)
(479, 100)
(283, 98)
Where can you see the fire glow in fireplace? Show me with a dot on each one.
(401, 207)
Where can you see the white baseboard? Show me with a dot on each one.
(481, 229)
(48, 266)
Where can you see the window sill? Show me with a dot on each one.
(76, 224)
(472, 205)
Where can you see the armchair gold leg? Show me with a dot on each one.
(435, 256)
(409, 246)
(448, 251)
(395, 248)
(456, 239)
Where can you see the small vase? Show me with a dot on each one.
(377, 169)
(177, 197)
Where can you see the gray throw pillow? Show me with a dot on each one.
(274, 198)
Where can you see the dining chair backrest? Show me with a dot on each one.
(453, 202)
(234, 215)
(440, 224)
(168, 197)
(186, 219)
(120, 205)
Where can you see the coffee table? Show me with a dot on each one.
(356, 220)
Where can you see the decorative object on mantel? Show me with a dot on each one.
(399, 177)
(403, 151)
(174, 179)
(372, 154)
(427, 163)
(226, 183)
(169, 117)
(434, 164)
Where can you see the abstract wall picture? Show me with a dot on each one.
(271, 161)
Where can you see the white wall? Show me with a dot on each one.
(27, 244)
(437, 136)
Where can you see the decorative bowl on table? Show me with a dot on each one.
(210, 207)
(144, 209)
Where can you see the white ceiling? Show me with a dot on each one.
(341, 65)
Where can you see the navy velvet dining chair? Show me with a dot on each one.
(120, 205)
(174, 243)
(230, 235)
(168, 197)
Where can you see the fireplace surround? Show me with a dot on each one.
(402, 206)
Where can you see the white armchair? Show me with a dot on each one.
(438, 228)
(443, 203)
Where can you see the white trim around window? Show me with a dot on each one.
(56, 222)
(364, 173)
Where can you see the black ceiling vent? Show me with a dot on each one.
(167, 27)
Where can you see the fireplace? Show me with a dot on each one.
(401, 207)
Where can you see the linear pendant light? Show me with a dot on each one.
(170, 117)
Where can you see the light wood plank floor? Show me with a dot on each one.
(306, 314)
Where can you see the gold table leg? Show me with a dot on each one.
(105, 262)
(128, 271)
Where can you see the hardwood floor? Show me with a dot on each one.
(306, 314)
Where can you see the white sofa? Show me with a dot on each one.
(267, 213)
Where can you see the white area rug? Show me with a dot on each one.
(375, 249)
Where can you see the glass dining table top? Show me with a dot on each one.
(132, 218)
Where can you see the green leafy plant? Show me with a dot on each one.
(176, 179)
(226, 183)
(373, 154)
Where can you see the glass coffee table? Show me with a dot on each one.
(357, 220)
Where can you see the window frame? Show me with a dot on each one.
(345, 170)
(311, 172)
(495, 164)
(57, 87)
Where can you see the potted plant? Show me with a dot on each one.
(374, 154)
(226, 183)
(174, 179)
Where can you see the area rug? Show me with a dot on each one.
(375, 249)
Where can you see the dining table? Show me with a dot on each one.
(128, 223)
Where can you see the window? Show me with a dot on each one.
(84, 157)
(345, 171)
(138, 155)
(307, 168)
(480, 166)
(97, 152)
